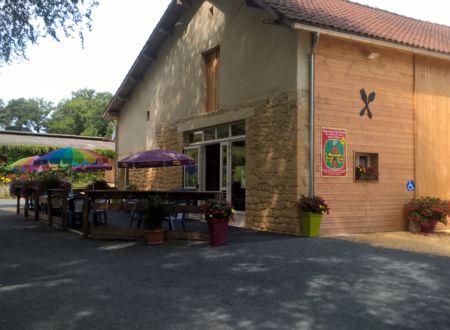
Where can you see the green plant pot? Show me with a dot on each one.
(310, 224)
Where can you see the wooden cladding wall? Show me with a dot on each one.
(432, 103)
(342, 70)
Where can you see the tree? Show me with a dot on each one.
(25, 114)
(81, 114)
(26, 21)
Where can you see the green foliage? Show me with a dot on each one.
(156, 210)
(52, 180)
(81, 114)
(218, 209)
(314, 204)
(106, 152)
(24, 22)
(16, 152)
(425, 209)
(25, 114)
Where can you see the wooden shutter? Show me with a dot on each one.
(212, 60)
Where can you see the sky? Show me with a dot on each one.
(120, 29)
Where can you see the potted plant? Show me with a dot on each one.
(218, 213)
(155, 210)
(426, 212)
(99, 185)
(311, 211)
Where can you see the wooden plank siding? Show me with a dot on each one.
(432, 114)
(432, 127)
(341, 71)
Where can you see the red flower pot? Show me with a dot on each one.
(218, 229)
(428, 227)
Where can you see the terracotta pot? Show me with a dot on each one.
(428, 227)
(154, 237)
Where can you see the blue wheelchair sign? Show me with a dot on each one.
(411, 185)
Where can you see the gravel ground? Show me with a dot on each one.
(437, 243)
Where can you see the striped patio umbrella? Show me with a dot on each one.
(71, 157)
(27, 164)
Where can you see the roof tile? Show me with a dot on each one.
(354, 18)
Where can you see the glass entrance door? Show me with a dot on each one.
(237, 170)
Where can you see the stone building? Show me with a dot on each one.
(278, 98)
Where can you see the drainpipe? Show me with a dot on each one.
(314, 41)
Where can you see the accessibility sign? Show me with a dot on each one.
(411, 185)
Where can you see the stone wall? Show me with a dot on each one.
(161, 178)
(272, 160)
(271, 166)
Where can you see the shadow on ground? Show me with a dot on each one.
(51, 279)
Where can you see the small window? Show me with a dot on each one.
(366, 167)
(211, 59)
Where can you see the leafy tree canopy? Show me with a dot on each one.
(25, 114)
(81, 114)
(26, 21)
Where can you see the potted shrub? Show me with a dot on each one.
(155, 210)
(311, 211)
(426, 212)
(52, 181)
(218, 213)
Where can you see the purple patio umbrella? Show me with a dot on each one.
(156, 158)
(92, 167)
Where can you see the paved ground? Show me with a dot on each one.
(437, 243)
(55, 280)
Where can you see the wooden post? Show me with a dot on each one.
(64, 210)
(49, 208)
(86, 217)
(18, 201)
(25, 210)
(36, 205)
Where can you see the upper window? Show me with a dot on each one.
(212, 59)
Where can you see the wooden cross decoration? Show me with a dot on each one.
(367, 101)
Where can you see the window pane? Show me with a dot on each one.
(238, 129)
(223, 132)
(238, 175)
(196, 136)
(224, 166)
(191, 172)
(209, 134)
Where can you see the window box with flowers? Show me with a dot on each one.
(366, 166)
(366, 173)
(426, 212)
(218, 213)
(311, 211)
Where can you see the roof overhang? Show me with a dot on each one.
(368, 40)
(146, 57)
